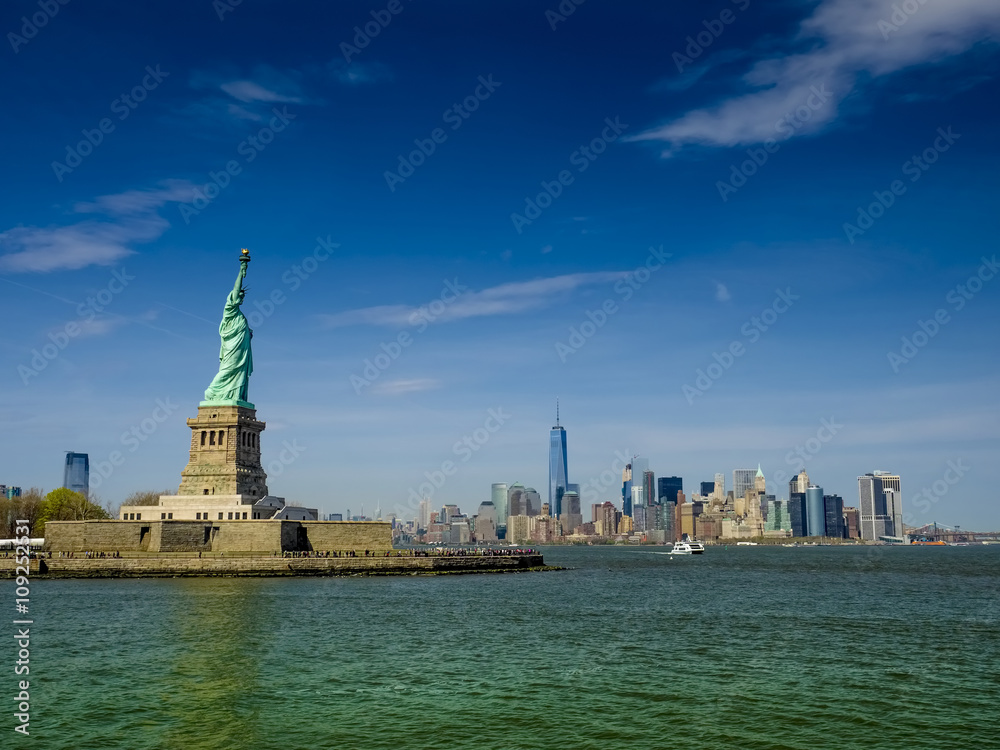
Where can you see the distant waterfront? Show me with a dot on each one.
(874, 647)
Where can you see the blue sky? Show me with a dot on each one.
(743, 137)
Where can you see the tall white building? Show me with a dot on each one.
(424, 514)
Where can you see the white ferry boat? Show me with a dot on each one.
(688, 547)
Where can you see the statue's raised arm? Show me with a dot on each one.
(230, 385)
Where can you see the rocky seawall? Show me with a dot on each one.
(186, 565)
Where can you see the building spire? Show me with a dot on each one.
(557, 411)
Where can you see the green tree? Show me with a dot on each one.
(65, 505)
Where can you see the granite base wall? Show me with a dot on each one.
(262, 536)
(183, 565)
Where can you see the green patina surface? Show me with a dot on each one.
(231, 384)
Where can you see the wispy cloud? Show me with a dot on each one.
(251, 91)
(846, 44)
(721, 292)
(400, 387)
(505, 299)
(131, 218)
(358, 74)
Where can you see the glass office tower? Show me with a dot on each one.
(557, 467)
(76, 473)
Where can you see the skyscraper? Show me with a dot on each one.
(627, 490)
(799, 483)
(815, 512)
(834, 516)
(707, 488)
(498, 494)
(571, 517)
(558, 470)
(879, 505)
(743, 480)
(668, 487)
(76, 475)
(649, 487)
(797, 514)
(515, 500)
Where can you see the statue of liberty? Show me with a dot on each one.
(235, 358)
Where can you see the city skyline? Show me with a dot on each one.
(725, 276)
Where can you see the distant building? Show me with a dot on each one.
(851, 523)
(720, 486)
(627, 490)
(424, 514)
(498, 494)
(799, 483)
(833, 506)
(532, 501)
(518, 529)
(880, 506)
(815, 512)
(649, 487)
(515, 500)
(668, 487)
(743, 480)
(335, 517)
(797, 514)
(777, 515)
(76, 473)
(571, 517)
(558, 469)
(609, 518)
(707, 488)
(486, 523)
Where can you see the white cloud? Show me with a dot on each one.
(845, 43)
(505, 299)
(250, 91)
(721, 292)
(132, 219)
(357, 74)
(547, 249)
(399, 387)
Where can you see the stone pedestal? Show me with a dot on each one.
(225, 453)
